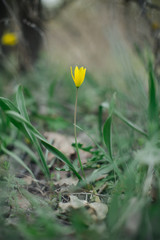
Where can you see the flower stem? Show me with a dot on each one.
(75, 133)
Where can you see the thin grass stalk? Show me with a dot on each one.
(75, 133)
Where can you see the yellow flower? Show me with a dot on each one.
(79, 75)
(155, 26)
(9, 39)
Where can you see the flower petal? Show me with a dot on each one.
(72, 74)
(79, 75)
(83, 72)
(76, 73)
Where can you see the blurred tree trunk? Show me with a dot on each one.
(25, 18)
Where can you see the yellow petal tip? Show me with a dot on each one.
(79, 75)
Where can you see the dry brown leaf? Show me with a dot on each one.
(101, 209)
(67, 181)
(22, 202)
(97, 210)
(62, 142)
(84, 156)
(28, 180)
(73, 203)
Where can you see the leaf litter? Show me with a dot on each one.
(62, 192)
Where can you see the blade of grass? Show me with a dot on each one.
(96, 144)
(125, 120)
(6, 104)
(23, 111)
(153, 103)
(107, 129)
(21, 103)
(26, 149)
(17, 117)
(115, 167)
(100, 114)
(17, 159)
(96, 174)
(107, 135)
(130, 124)
(152, 108)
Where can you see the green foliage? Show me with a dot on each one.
(107, 129)
(129, 168)
(20, 119)
(153, 103)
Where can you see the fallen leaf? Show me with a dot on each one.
(73, 203)
(101, 209)
(67, 181)
(97, 210)
(62, 142)
(22, 202)
(28, 180)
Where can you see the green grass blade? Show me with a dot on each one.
(96, 144)
(6, 104)
(106, 169)
(23, 111)
(26, 149)
(112, 104)
(107, 135)
(152, 108)
(100, 114)
(107, 129)
(125, 120)
(130, 124)
(61, 156)
(153, 104)
(20, 119)
(17, 159)
(21, 103)
(110, 108)
(17, 117)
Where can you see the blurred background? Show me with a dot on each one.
(112, 39)
(117, 41)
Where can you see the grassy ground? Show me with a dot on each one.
(43, 193)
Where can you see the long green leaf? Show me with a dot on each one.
(17, 117)
(6, 105)
(21, 103)
(107, 129)
(26, 149)
(96, 144)
(125, 120)
(23, 111)
(107, 135)
(153, 103)
(100, 114)
(129, 123)
(97, 173)
(15, 157)
(152, 108)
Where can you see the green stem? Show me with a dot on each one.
(75, 133)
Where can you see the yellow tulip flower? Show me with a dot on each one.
(78, 78)
(79, 75)
(9, 39)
